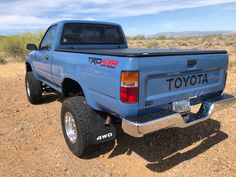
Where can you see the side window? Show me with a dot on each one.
(46, 42)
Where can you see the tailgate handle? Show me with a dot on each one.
(192, 63)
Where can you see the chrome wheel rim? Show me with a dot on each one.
(70, 127)
(28, 88)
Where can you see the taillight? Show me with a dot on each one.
(129, 86)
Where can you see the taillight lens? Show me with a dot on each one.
(129, 86)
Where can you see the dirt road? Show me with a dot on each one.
(32, 144)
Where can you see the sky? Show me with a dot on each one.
(146, 17)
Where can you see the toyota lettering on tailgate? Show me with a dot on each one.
(186, 81)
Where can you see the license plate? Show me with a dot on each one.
(181, 106)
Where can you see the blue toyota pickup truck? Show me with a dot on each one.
(104, 82)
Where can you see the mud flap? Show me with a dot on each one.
(100, 132)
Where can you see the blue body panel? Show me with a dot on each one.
(101, 85)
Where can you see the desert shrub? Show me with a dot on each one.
(2, 59)
(15, 46)
(161, 37)
(232, 65)
(152, 43)
(183, 43)
(138, 37)
(128, 38)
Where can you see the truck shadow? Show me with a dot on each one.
(51, 97)
(165, 149)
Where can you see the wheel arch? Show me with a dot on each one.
(70, 84)
(28, 67)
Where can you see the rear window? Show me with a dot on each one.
(91, 34)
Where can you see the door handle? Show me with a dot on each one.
(46, 57)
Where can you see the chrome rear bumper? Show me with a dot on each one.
(139, 126)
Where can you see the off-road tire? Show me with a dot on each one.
(82, 114)
(33, 88)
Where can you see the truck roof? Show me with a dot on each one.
(85, 21)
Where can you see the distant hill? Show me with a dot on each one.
(193, 33)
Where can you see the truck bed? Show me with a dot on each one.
(135, 52)
(165, 76)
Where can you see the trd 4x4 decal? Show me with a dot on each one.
(110, 63)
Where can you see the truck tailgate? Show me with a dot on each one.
(166, 79)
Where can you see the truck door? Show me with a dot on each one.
(43, 61)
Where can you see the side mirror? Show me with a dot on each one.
(31, 47)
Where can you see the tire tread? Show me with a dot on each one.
(83, 118)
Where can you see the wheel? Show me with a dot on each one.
(33, 88)
(76, 121)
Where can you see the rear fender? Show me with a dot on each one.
(81, 81)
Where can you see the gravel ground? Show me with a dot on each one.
(32, 143)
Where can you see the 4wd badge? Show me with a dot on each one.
(104, 136)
